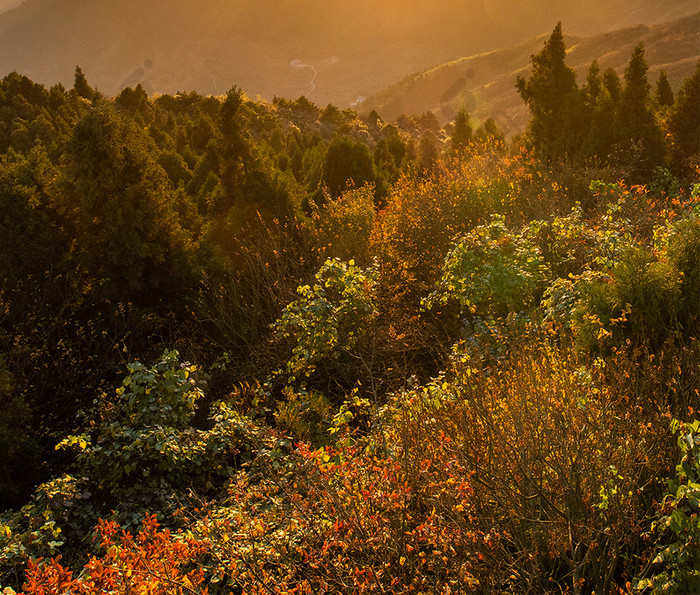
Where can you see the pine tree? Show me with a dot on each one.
(593, 84)
(428, 151)
(640, 135)
(664, 93)
(462, 135)
(684, 124)
(611, 83)
(490, 131)
(601, 94)
(347, 161)
(551, 94)
(81, 86)
(129, 238)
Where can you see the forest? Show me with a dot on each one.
(254, 347)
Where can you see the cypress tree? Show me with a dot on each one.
(684, 124)
(593, 84)
(81, 86)
(611, 83)
(462, 135)
(640, 135)
(664, 93)
(551, 94)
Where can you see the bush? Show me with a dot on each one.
(491, 271)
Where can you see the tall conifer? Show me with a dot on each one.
(684, 125)
(554, 100)
(640, 135)
(664, 93)
(462, 135)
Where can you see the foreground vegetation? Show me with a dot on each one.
(472, 368)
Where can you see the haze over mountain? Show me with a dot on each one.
(485, 83)
(6, 5)
(329, 51)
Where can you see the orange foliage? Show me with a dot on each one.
(152, 563)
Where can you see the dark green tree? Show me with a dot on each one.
(594, 85)
(664, 93)
(133, 100)
(33, 235)
(684, 125)
(490, 131)
(81, 86)
(384, 160)
(641, 141)
(462, 134)
(346, 162)
(234, 146)
(128, 239)
(602, 135)
(556, 122)
(428, 151)
(612, 84)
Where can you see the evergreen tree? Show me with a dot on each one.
(551, 93)
(640, 135)
(462, 134)
(490, 131)
(347, 161)
(234, 148)
(594, 84)
(684, 125)
(602, 136)
(664, 93)
(133, 100)
(128, 236)
(601, 95)
(81, 86)
(428, 151)
(611, 83)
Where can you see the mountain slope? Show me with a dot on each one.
(485, 83)
(330, 51)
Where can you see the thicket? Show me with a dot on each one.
(424, 362)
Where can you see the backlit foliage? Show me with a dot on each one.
(426, 362)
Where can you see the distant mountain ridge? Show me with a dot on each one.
(485, 84)
(329, 51)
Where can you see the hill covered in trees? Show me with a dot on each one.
(485, 83)
(272, 347)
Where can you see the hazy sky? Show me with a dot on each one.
(351, 48)
(7, 4)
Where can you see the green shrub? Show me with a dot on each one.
(491, 271)
(328, 317)
(676, 567)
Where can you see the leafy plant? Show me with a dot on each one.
(491, 271)
(676, 567)
(329, 316)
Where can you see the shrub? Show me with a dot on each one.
(328, 317)
(491, 271)
(560, 466)
(153, 561)
(139, 457)
(676, 565)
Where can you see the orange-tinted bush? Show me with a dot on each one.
(154, 561)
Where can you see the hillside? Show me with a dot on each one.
(273, 348)
(331, 52)
(485, 83)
